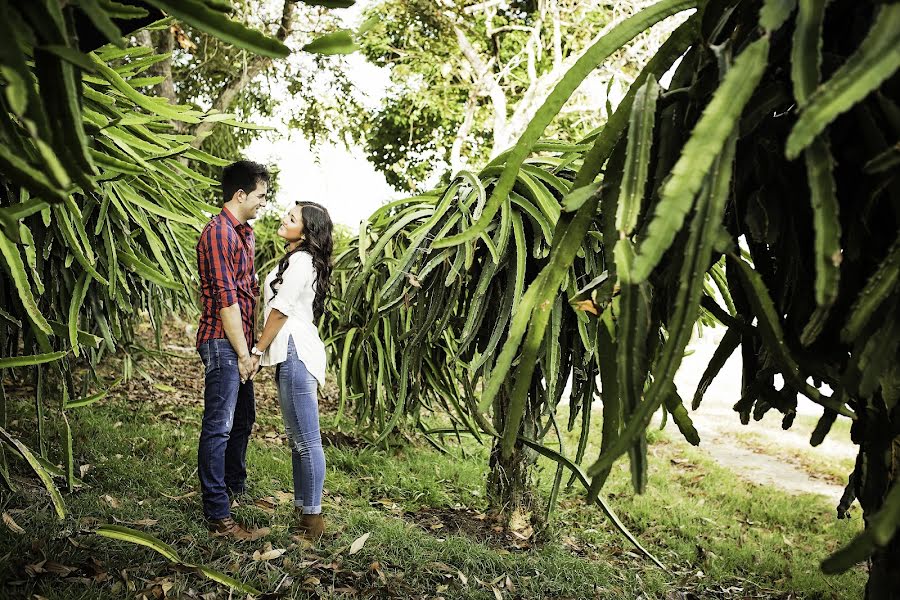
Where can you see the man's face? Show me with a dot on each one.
(255, 200)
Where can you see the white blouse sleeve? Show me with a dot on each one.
(295, 277)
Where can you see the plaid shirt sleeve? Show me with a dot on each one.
(222, 244)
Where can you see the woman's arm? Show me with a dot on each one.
(273, 325)
(283, 303)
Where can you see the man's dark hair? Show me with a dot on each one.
(242, 175)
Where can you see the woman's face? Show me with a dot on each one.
(292, 225)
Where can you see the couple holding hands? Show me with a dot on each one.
(294, 297)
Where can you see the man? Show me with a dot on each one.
(228, 292)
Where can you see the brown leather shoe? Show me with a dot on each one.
(228, 527)
(310, 527)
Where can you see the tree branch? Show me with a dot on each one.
(456, 160)
(255, 66)
(557, 34)
(536, 94)
(498, 97)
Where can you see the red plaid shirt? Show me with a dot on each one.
(227, 275)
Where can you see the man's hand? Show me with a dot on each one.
(247, 367)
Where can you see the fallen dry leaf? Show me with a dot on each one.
(284, 497)
(49, 566)
(497, 594)
(302, 542)
(358, 543)
(59, 569)
(463, 578)
(268, 553)
(345, 590)
(83, 470)
(440, 567)
(88, 522)
(114, 503)
(11, 524)
(181, 497)
(585, 305)
(139, 523)
(376, 568)
(157, 589)
(267, 504)
(35, 569)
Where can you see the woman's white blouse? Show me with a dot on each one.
(295, 300)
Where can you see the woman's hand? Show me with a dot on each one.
(247, 366)
(255, 368)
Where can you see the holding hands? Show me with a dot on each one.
(248, 366)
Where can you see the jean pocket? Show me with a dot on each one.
(208, 356)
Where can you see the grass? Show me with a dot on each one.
(424, 511)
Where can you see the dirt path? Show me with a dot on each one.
(719, 426)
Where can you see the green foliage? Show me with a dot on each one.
(99, 213)
(126, 534)
(198, 13)
(407, 137)
(810, 245)
(441, 90)
(203, 70)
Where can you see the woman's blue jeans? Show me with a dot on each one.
(300, 412)
(229, 410)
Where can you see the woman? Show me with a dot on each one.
(294, 295)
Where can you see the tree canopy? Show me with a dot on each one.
(466, 79)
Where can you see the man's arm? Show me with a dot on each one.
(221, 247)
(234, 331)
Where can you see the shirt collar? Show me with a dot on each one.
(238, 226)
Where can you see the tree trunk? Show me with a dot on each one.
(510, 484)
(880, 454)
(164, 43)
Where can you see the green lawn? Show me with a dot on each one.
(425, 512)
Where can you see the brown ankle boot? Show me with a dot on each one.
(230, 528)
(310, 527)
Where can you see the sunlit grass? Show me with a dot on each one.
(717, 534)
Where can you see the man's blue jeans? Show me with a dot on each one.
(229, 410)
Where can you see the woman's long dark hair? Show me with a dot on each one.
(317, 243)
